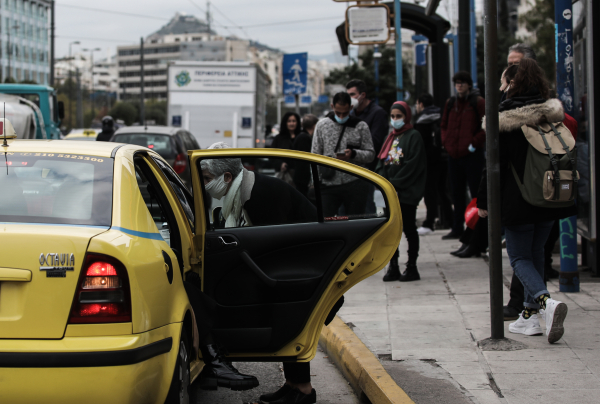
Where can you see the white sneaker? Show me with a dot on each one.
(531, 326)
(554, 316)
(423, 231)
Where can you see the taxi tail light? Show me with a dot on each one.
(103, 294)
(180, 163)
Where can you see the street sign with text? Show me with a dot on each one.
(368, 24)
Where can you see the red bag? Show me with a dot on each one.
(472, 214)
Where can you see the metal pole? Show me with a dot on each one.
(493, 166)
(208, 18)
(297, 98)
(473, 46)
(9, 55)
(79, 101)
(398, 37)
(464, 34)
(52, 44)
(142, 112)
(376, 56)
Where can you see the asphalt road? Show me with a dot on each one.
(330, 385)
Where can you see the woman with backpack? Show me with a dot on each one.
(529, 206)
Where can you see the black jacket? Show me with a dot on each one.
(303, 142)
(105, 135)
(428, 125)
(273, 201)
(377, 120)
(530, 109)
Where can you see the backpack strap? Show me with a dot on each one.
(519, 183)
(569, 155)
(554, 163)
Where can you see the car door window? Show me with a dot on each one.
(183, 194)
(262, 193)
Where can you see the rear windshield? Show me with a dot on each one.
(161, 144)
(55, 188)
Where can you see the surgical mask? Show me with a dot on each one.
(354, 102)
(217, 188)
(341, 121)
(397, 124)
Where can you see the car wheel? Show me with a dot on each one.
(180, 384)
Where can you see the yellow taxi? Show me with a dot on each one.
(98, 238)
(82, 134)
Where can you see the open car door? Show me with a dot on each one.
(278, 251)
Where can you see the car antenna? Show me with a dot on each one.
(5, 144)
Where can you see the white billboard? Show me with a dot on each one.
(212, 79)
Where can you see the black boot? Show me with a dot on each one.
(295, 396)
(270, 397)
(219, 372)
(393, 272)
(462, 248)
(411, 274)
(468, 252)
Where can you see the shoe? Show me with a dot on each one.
(554, 316)
(270, 397)
(531, 326)
(411, 274)
(451, 236)
(511, 313)
(295, 396)
(468, 253)
(463, 247)
(423, 231)
(218, 372)
(393, 272)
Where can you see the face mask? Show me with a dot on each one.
(340, 120)
(398, 123)
(354, 102)
(217, 187)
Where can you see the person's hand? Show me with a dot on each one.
(482, 212)
(283, 167)
(345, 156)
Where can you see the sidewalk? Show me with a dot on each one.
(425, 334)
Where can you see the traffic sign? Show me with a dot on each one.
(323, 99)
(421, 54)
(295, 73)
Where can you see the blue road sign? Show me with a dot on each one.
(246, 123)
(289, 100)
(421, 54)
(176, 120)
(294, 73)
(306, 99)
(323, 99)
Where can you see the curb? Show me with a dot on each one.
(359, 365)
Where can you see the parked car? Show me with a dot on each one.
(93, 306)
(82, 134)
(171, 143)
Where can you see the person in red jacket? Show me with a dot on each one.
(464, 140)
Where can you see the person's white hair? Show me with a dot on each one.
(218, 166)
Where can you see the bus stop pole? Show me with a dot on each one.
(398, 39)
(493, 166)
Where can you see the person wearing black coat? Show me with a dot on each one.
(288, 130)
(303, 142)
(527, 226)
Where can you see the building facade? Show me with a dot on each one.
(25, 42)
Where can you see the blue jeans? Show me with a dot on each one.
(525, 247)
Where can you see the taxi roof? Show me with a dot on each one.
(102, 149)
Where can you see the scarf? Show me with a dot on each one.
(387, 145)
(232, 203)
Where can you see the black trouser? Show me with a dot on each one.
(463, 172)
(352, 195)
(478, 237)
(431, 194)
(446, 213)
(204, 311)
(297, 372)
(517, 291)
(409, 223)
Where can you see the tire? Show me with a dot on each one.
(179, 391)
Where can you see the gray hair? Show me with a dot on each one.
(222, 165)
(524, 49)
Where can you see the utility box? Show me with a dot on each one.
(219, 102)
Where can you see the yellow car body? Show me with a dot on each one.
(45, 357)
(86, 134)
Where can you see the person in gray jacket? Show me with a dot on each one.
(347, 138)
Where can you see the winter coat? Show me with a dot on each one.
(377, 120)
(428, 125)
(525, 110)
(282, 142)
(357, 137)
(461, 126)
(410, 175)
(302, 174)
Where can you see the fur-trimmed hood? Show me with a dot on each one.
(512, 119)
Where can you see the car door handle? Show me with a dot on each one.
(226, 244)
(256, 269)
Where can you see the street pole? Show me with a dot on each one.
(563, 23)
(79, 101)
(297, 98)
(473, 46)
(71, 83)
(142, 111)
(464, 35)
(52, 44)
(490, 25)
(376, 56)
(398, 37)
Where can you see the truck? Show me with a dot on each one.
(33, 109)
(219, 101)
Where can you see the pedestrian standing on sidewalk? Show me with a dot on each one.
(527, 226)
(289, 129)
(347, 138)
(403, 162)
(376, 119)
(303, 142)
(427, 123)
(464, 140)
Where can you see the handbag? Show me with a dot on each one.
(472, 214)
(328, 173)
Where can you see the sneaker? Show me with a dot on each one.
(531, 326)
(554, 316)
(423, 231)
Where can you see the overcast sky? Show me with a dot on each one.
(107, 30)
